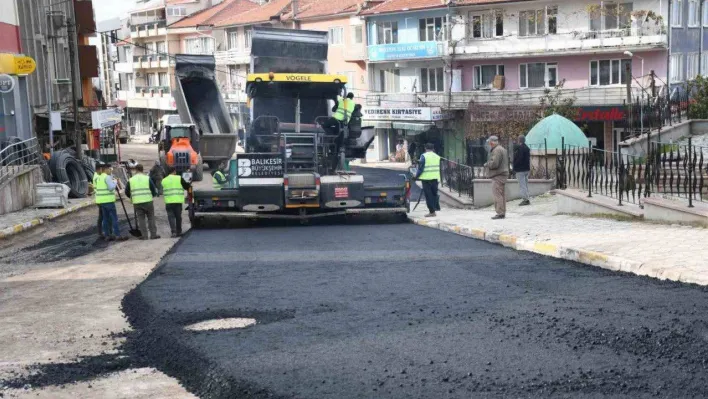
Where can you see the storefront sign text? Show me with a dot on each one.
(105, 118)
(403, 114)
(400, 51)
(600, 114)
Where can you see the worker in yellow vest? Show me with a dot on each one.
(96, 174)
(429, 175)
(106, 188)
(173, 187)
(341, 113)
(218, 178)
(141, 191)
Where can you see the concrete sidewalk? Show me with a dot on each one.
(661, 251)
(25, 219)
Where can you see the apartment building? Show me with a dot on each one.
(107, 41)
(424, 52)
(688, 39)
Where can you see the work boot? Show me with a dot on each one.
(155, 237)
(143, 238)
(524, 203)
(173, 235)
(497, 217)
(111, 238)
(430, 215)
(122, 238)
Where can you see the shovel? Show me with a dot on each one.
(133, 232)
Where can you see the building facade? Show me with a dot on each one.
(688, 21)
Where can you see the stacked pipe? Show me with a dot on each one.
(68, 170)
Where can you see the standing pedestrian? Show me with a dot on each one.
(96, 175)
(141, 191)
(522, 166)
(218, 178)
(174, 187)
(498, 170)
(429, 175)
(106, 188)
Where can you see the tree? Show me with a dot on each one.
(698, 105)
(555, 101)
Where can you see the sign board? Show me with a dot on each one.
(601, 114)
(7, 83)
(260, 165)
(423, 114)
(14, 64)
(105, 118)
(55, 121)
(402, 51)
(481, 113)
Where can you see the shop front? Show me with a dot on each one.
(401, 132)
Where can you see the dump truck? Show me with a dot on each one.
(199, 102)
(295, 165)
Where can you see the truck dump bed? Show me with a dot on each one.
(199, 101)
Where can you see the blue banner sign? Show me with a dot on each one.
(400, 51)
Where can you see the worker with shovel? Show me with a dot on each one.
(141, 190)
(106, 188)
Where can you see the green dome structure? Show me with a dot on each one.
(555, 129)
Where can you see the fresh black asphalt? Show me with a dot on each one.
(403, 311)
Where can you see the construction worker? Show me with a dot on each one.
(97, 173)
(341, 113)
(173, 187)
(141, 191)
(429, 175)
(106, 188)
(218, 178)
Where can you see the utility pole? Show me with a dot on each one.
(628, 72)
(50, 86)
(73, 38)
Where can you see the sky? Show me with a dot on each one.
(107, 9)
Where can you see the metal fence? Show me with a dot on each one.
(623, 177)
(18, 156)
(681, 171)
(645, 114)
(457, 177)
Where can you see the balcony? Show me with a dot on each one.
(233, 57)
(356, 52)
(124, 67)
(149, 29)
(125, 95)
(572, 43)
(153, 91)
(150, 61)
(588, 96)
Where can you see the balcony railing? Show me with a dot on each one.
(153, 91)
(599, 96)
(557, 43)
(151, 61)
(148, 29)
(233, 56)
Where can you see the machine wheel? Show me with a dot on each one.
(198, 173)
(123, 140)
(193, 220)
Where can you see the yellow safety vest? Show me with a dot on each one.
(172, 189)
(103, 194)
(215, 182)
(343, 106)
(431, 169)
(140, 189)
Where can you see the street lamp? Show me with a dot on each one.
(641, 106)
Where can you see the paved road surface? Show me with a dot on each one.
(402, 311)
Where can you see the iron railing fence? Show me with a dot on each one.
(646, 114)
(681, 171)
(457, 177)
(18, 156)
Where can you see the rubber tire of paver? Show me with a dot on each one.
(68, 170)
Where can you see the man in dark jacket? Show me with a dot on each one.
(522, 166)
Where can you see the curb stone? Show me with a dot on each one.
(19, 228)
(584, 256)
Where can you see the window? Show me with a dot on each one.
(131, 82)
(486, 25)
(676, 12)
(538, 75)
(431, 79)
(199, 45)
(609, 72)
(176, 11)
(232, 40)
(611, 16)
(162, 48)
(705, 13)
(676, 66)
(704, 63)
(153, 80)
(691, 66)
(247, 36)
(484, 75)
(358, 34)
(163, 79)
(531, 23)
(432, 29)
(336, 35)
(390, 80)
(151, 50)
(387, 32)
(233, 78)
(552, 18)
(693, 13)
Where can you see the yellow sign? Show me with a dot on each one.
(296, 77)
(24, 65)
(13, 64)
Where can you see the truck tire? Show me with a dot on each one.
(123, 140)
(199, 173)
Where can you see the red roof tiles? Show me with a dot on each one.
(392, 6)
(256, 15)
(320, 8)
(210, 15)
